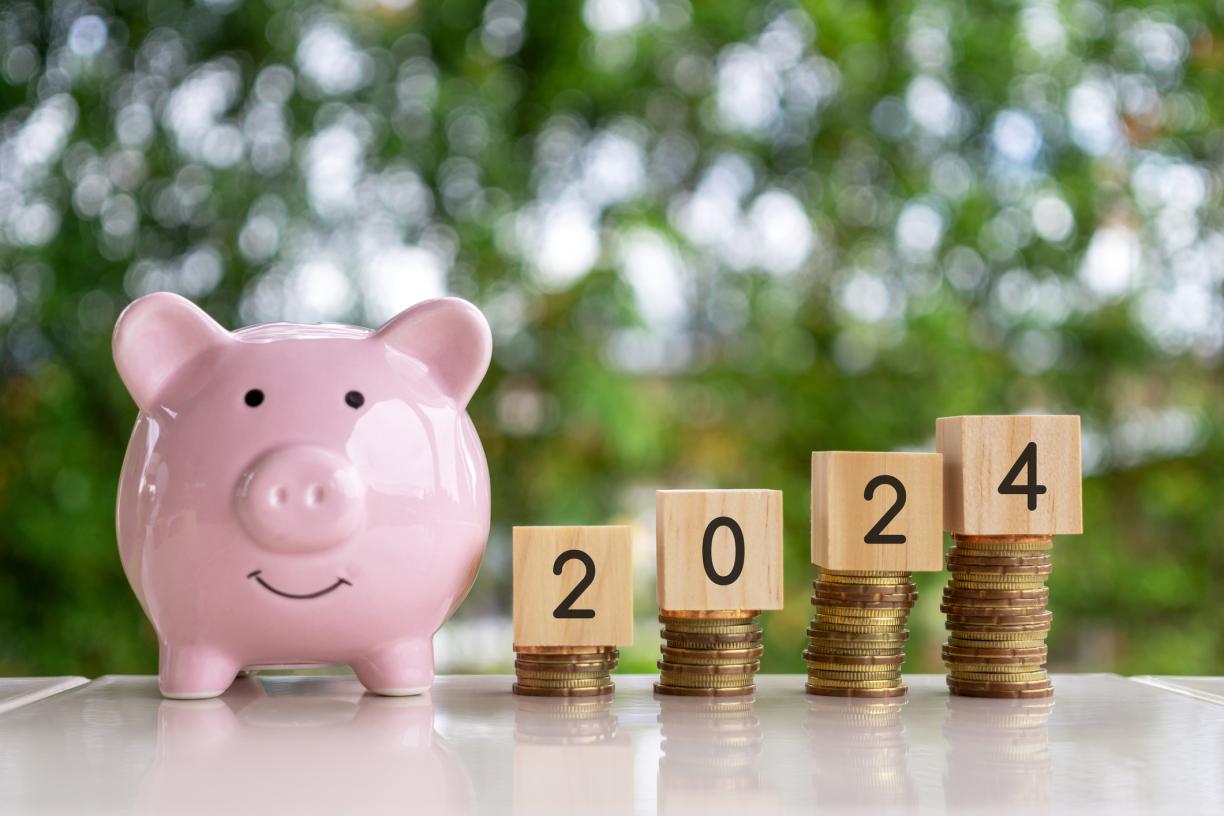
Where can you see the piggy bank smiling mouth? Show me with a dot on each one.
(306, 597)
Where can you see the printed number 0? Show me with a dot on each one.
(1027, 462)
(876, 534)
(707, 551)
(565, 608)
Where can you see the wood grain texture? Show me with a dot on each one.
(538, 590)
(842, 517)
(682, 518)
(980, 451)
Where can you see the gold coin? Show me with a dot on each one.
(985, 576)
(597, 691)
(713, 648)
(963, 638)
(532, 674)
(966, 583)
(899, 579)
(729, 668)
(959, 669)
(858, 684)
(864, 668)
(855, 625)
(733, 691)
(706, 681)
(568, 683)
(712, 658)
(858, 638)
(710, 614)
(858, 612)
(830, 674)
(1000, 677)
(710, 628)
(565, 650)
(1003, 542)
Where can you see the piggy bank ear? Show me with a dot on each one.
(156, 336)
(450, 336)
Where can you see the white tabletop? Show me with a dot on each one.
(1210, 689)
(307, 745)
(19, 691)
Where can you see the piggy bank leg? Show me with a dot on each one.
(398, 670)
(194, 672)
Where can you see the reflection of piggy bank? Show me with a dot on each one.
(301, 494)
(325, 751)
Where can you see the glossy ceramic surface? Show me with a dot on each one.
(1210, 689)
(301, 494)
(319, 745)
(19, 691)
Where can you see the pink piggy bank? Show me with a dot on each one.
(298, 495)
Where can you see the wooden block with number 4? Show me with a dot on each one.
(719, 549)
(1011, 475)
(573, 586)
(877, 511)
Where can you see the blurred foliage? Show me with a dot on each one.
(711, 238)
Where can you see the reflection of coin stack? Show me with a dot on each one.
(564, 671)
(709, 654)
(585, 721)
(859, 754)
(998, 754)
(709, 754)
(997, 617)
(857, 637)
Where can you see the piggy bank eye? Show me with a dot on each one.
(354, 399)
(253, 397)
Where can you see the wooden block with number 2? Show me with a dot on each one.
(719, 549)
(877, 511)
(573, 586)
(1011, 475)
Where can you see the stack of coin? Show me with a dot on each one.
(997, 616)
(709, 654)
(857, 637)
(564, 671)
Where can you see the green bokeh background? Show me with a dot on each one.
(711, 238)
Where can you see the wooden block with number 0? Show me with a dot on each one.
(1011, 475)
(719, 549)
(573, 586)
(877, 511)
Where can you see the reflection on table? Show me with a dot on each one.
(570, 758)
(859, 754)
(998, 754)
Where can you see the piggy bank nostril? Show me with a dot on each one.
(279, 496)
(315, 495)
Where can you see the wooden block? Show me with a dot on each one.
(719, 549)
(573, 586)
(1010, 475)
(877, 511)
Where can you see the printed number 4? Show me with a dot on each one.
(1026, 462)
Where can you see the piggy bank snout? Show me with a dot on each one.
(300, 499)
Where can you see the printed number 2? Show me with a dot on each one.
(1026, 462)
(876, 534)
(565, 608)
